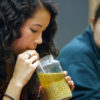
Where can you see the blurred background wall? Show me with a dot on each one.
(73, 18)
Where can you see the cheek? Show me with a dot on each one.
(97, 32)
(20, 43)
(97, 29)
(27, 42)
(97, 36)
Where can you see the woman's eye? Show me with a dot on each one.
(34, 31)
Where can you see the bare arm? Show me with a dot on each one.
(24, 68)
(13, 90)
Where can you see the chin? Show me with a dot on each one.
(19, 52)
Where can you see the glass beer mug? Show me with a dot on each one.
(52, 79)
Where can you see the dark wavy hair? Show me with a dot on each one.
(13, 14)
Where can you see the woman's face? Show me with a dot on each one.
(31, 32)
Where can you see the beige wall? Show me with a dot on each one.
(92, 7)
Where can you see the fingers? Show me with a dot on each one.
(68, 78)
(28, 63)
(25, 66)
(33, 59)
(28, 54)
(70, 82)
(34, 65)
(72, 86)
(40, 88)
(65, 73)
(42, 92)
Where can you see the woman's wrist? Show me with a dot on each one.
(16, 83)
(8, 96)
(14, 90)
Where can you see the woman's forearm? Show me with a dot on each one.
(23, 71)
(14, 90)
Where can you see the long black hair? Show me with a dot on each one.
(13, 14)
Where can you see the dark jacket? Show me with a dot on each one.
(81, 59)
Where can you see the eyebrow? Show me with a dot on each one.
(38, 25)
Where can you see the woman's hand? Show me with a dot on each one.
(69, 81)
(25, 66)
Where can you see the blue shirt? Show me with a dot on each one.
(81, 59)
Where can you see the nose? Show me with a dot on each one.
(39, 40)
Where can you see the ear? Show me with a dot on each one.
(92, 23)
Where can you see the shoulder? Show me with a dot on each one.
(76, 46)
(79, 49)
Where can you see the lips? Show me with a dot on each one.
(32, 48)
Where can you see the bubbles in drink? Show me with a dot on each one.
(55, 85)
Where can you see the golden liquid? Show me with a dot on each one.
(55, 85)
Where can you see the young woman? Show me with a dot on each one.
(27, 29)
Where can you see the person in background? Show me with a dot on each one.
(27, 30)
(81, 58)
